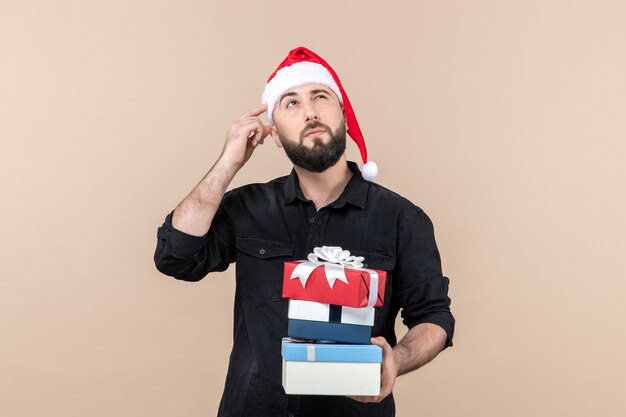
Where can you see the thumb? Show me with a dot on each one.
(379, 341)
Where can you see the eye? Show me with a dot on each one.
(291, 103)
(320, 96)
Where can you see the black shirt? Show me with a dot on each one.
(260, 226)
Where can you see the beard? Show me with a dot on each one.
(320, 156)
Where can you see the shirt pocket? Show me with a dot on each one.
(260, 268)
(376, 260)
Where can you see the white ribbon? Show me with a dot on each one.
(373, 287)
(310, 352)
(335, 260)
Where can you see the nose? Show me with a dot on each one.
(310, 114)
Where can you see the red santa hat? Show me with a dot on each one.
(303, 66)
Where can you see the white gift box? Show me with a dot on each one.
(310, 310)
(331, 369)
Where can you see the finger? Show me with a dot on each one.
(258, 124)
(261, 132)
(257, 111)
(362, 399)
(380, 341)
(384, 391)
(254, 138)
(253, 123)
(254, 131)
(247, 127)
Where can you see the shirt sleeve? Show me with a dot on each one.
(191, 258)
(420, 288)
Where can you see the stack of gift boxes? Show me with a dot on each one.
(331, 315)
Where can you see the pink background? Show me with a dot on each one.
(504, 120)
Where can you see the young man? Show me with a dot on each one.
(324, 201)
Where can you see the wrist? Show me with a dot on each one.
(226, 168)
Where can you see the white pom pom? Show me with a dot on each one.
(370, 171)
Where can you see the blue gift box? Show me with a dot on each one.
(319, 321)
(333, 332)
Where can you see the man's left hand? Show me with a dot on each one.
(388, 375)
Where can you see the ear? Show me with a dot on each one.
(274, 135)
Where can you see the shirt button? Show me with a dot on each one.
(312, 220)
(291, 415)
(262, 251)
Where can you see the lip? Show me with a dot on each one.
(315, 131)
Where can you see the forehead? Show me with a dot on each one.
(307, 89)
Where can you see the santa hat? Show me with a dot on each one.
(301, 67)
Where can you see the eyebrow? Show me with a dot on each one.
(285, 96)
(319, 90)
(312, 92)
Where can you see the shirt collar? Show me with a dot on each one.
(354, 193)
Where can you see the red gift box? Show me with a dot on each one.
(354, 293)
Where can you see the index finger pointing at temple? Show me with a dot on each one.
(255, 112)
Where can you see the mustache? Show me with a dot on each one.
(314, 125)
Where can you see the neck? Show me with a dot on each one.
(324, 187)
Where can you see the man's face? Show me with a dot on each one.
(309, 124)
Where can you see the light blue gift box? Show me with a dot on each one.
(330, 368)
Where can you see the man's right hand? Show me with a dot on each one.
(195, 213)
(244, 135)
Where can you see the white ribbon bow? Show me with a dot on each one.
(334, 260)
